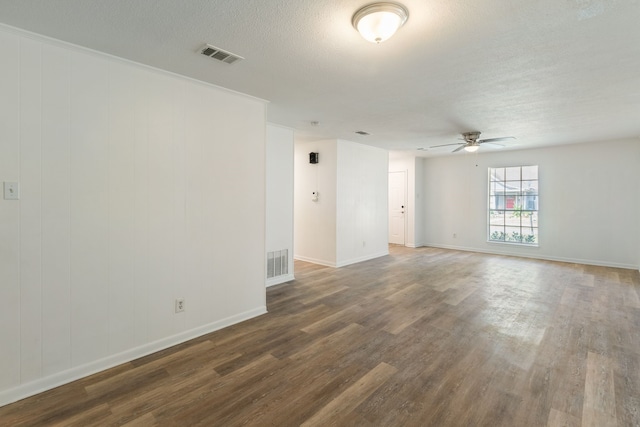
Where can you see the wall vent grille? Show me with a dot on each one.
(277, 263)
(219, 54)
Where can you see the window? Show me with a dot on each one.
(513, 205)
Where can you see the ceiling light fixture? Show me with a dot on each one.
(377, 22)
(471, 148)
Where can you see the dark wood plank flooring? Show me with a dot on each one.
(423, 337)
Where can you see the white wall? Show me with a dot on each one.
(351, 180)
(279, 198)
(126, 205)
(413, 166)
(362, 203)
(589, 202)
(315, 222)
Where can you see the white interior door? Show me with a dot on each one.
(397, 206)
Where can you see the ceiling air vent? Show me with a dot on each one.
(219, 54)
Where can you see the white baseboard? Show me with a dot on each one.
(362, 258)
(416, 245)
(280, 279)
(342, 263)
(314, 260)
(51, 381)
(537, 256)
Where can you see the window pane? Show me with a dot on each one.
(495, 188)
(496, 218)
(512, 187)
(530, 235)
(530, 187)
(530, 202)
(512, 234)
(529, 172)
(496, 202)
(496, 233)
(497, 174)
(513, 174)
(518, 203)
(528, 219)
(512, 218)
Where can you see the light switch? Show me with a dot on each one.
(11, 191)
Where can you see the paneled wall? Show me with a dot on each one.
(137, 187)
(362, 203)
(279, 210)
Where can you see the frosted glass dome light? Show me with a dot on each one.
(377, 22)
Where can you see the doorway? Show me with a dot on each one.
(397, 207)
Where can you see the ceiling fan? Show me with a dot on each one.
(472, 143)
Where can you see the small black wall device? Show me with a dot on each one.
(313, 158)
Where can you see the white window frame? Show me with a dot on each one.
(513, 205)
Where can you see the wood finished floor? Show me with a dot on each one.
(423, 337)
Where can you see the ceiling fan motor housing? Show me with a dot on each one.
(471, 136)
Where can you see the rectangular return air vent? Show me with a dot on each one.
(277, 263)
(219, 54)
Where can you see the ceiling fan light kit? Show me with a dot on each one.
(377, 22)
(471, 142)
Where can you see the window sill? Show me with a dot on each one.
(526, 245)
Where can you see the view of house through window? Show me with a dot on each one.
(513, 205)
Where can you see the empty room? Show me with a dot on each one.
(331, 213)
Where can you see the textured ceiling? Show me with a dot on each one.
(545, 71)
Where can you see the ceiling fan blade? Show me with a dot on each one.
(447, 145)
(493, 144)
(459, 148)
(504, 138)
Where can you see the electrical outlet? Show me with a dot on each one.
(179, 305)
(11, 191)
